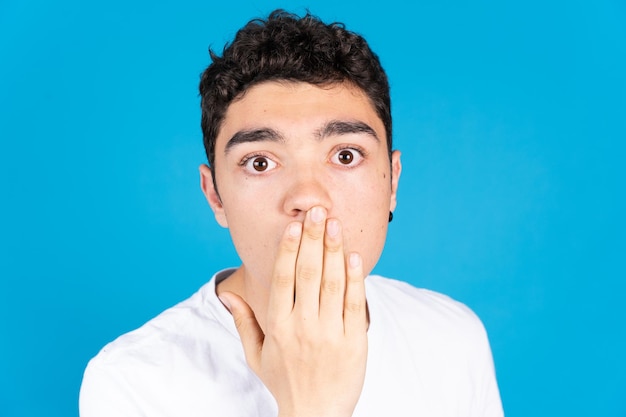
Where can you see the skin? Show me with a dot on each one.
(305, 187)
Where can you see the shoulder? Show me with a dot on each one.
(424, 335)
(166, 357)
(422, 309)
(157, 336)
(195, 320)
(406, 296)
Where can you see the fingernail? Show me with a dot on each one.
(318, 214)
(295, 229)
(355, 260)
(225, 301)
(332, 227)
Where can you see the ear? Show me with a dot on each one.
(396, 170)
(213, 198)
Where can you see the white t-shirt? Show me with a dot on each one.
(428, 355)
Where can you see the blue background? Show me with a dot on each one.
(512, 123)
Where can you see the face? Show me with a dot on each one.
(286, 147)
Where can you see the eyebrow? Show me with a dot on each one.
(253, 135)
(341, 127)
(331, 128)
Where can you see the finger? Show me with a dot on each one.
(355, 305)
(309, 263)
(250, 332)
(334, 273)
(282, 285)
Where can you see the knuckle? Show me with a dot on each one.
(355, 280)
(275, 333)
(290, 245)
(313, 233)
(241, 322)
(307, 273)
(331, 342)
(307, 336)
(333, 248)
(353, 306)
(283, 280)
(331, 286)
(278, 330)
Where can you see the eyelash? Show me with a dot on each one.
(247, 158)
(362, 153)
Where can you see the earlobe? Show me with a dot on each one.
(396, 170)
(211, 195)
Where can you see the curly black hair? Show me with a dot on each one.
(288, 47)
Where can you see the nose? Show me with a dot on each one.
(305, 191)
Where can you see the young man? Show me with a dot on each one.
(297, 128)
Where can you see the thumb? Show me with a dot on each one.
(247, 326)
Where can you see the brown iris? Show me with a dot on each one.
(345, 157)
(260, 164)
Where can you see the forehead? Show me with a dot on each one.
(296, 108)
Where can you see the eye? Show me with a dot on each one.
(349, 157)
(345, 157)
(258, 164)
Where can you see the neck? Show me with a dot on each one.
(252, 292)
(256, 295)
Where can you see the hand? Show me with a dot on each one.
(312, 357)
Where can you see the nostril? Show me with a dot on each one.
(298, 215)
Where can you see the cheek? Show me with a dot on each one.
(244, 197)
(370, 197)
(254, 229)
(369, 243)
(367, 217)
